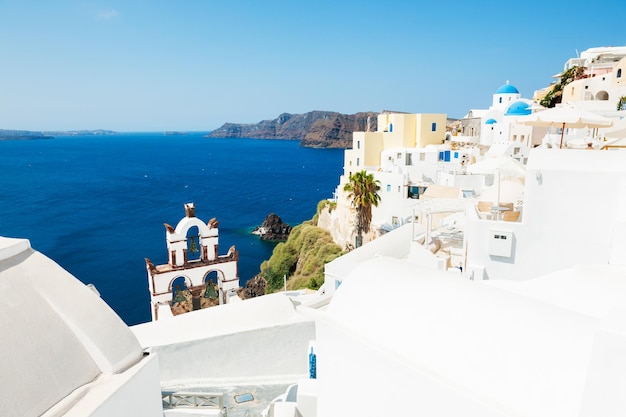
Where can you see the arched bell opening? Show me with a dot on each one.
(194, 249)
(210, 293)
(181, 295)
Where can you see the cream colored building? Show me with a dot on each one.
(599, 92)
(395, 130)
(398, 134)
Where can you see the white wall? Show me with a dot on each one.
(356, 378)
(264, 337)
(137, 392)
(264, 354)
(438, 345)
(572, 204)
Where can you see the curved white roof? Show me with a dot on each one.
(58, 335)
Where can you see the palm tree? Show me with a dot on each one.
(363, 189)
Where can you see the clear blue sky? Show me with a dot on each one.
(193, 65)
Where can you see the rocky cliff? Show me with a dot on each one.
(321, 129)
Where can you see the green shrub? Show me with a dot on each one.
(302, 258)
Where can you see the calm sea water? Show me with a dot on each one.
(96, 205)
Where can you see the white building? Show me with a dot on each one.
(408, 153)
(601, 91)
(604, 85)
(533, 325)
(496, 125)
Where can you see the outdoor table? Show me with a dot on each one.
(498, 210)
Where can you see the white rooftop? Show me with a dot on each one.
(514, 348)
(64, 348)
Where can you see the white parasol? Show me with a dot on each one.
(500, 164)
(565, 117)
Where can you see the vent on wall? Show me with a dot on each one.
(500, 243)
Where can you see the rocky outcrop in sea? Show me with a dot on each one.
(273, 228)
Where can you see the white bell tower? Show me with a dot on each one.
(195, 276)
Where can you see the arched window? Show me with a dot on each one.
(602, 95)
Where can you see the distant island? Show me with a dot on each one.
(21, 135)
(315, 129)
(96, 132)
(6, 134)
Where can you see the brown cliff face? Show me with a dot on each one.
(336, 131)
(319, 129)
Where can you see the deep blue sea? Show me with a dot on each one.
(96, 204)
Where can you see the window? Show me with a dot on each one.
(433, 127)
(358, 144)
(357, 161)
(500, 100)
(619, 73)
(388, 188)
(409, 159)
(391, 127)
(602, 95)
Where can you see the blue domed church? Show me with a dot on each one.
(496, 125)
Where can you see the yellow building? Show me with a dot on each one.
(402, 130)
(395, 130)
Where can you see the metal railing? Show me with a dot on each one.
(179, 399)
